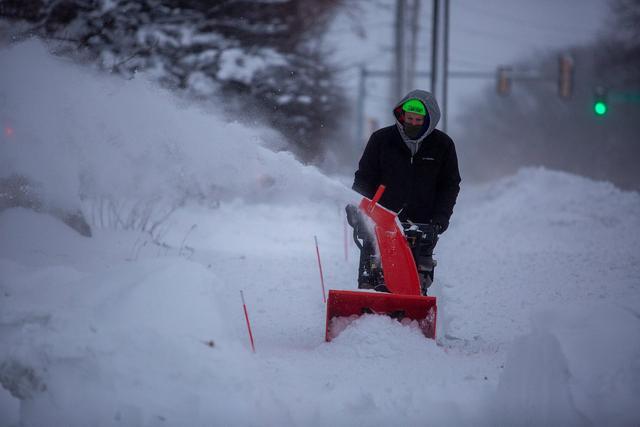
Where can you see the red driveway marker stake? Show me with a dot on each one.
(246, 316)
(324, 298)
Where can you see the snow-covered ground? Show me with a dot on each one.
(538, 284)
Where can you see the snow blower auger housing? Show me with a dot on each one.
(402, 298)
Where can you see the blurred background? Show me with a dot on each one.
(521, 82)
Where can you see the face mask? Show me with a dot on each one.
(412, 131)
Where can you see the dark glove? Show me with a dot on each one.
(429, 234)
(355, 220)
(353, 216)
(439, 225)
(438, 228)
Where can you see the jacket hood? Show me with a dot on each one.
(431, 121)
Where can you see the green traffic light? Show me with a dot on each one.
(600, 108)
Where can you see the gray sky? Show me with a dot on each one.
(483, 35)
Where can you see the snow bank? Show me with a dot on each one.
(539, 238)
(74, 132)
(95, 336)
(539, 324)
(580, 365)
(544, 266)
(100, 340)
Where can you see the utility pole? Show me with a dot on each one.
(434, 45)
(445, 82)
(360, 107)
(399, 81)
(413, 46)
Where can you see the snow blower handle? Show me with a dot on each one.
(378, 195)
(355, 219)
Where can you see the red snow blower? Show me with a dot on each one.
(394, 273)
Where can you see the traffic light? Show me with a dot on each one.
(503, 80)
(600, 104)
(565, 76)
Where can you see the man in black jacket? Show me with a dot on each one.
(416, 162)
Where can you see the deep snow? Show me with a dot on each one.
(538, 283)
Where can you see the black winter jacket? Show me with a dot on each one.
(423, 187)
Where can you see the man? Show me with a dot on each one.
(418, 165)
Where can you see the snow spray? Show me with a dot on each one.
(345, 235)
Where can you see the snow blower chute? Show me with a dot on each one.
(402, 297)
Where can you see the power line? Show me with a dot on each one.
(467, 62)
(503, 37)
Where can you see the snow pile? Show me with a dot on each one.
(76, 133)
(94, 334)
(558, 254)
(96, 329)
(96, 337)
(542, 237)
(580, 365)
